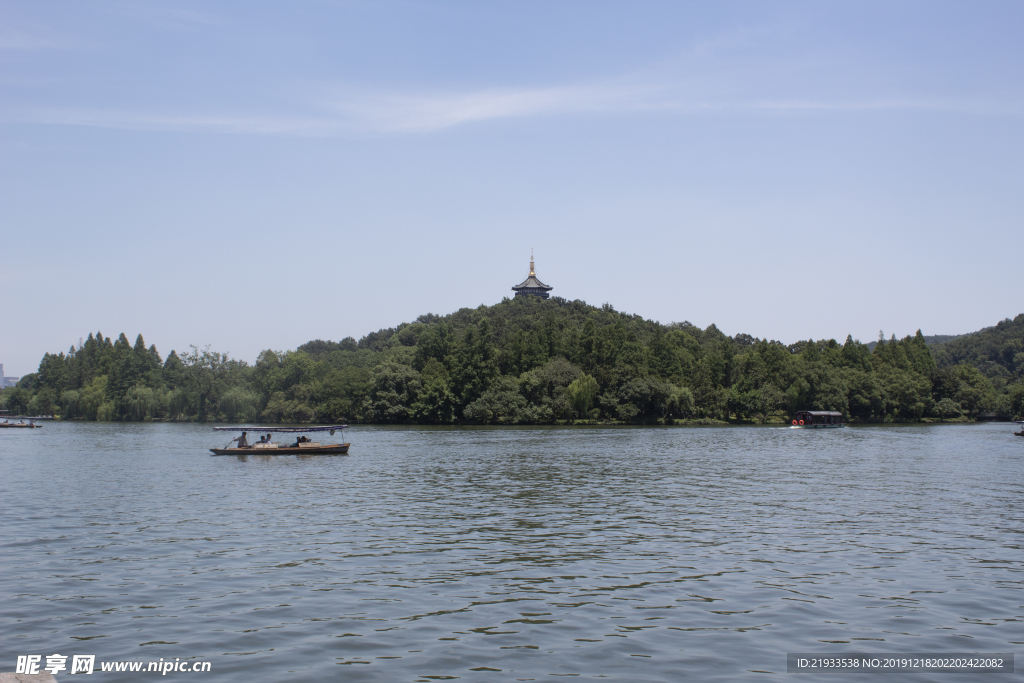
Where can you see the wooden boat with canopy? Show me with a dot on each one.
(814, 419)
(265, 446)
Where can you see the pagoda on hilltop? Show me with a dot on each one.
(531, 286)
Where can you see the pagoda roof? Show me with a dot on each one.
(531, 283)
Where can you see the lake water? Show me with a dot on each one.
(647, 554)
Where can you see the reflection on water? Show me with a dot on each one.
(485, 554)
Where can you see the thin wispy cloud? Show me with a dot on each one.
(358, 111)
(415, 112)
(164, 15)
(724, 73)
(150, 121)
(977, 107)
(30, 38)
(26, 42)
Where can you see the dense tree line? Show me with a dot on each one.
(115, 380)
(998, 352)
(530, 361)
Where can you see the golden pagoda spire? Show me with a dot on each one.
(531, 286)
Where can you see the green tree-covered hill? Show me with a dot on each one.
(529, 361)
(998, 352)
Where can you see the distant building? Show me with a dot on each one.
(531, 286)
(6, 381)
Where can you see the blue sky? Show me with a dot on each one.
(255, 175)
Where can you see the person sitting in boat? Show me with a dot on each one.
(263, 439)
(242, 442)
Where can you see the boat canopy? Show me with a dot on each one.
(285, 430)
(829, 413)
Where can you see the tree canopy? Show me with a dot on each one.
(532, 361)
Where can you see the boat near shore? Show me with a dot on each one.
(265, 446)
(818, 419)
(7, 424)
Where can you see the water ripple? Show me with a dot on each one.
(518, 554)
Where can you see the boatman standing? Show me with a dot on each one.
(242, 443)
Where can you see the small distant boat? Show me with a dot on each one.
(1021, 432)
(814, 419)
(302, 445)
(7, 424)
